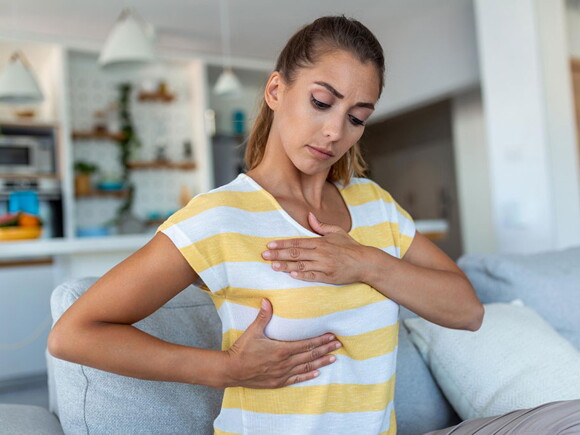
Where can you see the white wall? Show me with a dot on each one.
(533, 160)
(472, 173)
(428, 56)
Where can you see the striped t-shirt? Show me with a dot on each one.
(222, 234)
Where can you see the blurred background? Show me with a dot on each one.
(114, 114)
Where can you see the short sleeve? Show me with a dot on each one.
(401, 222)
(406, 229)
(189, 232)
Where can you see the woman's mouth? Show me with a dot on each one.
(319, 152)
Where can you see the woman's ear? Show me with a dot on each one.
(273, 91)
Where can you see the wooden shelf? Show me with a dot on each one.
(96, 193)
(106, 135)
(162, 165)
(156, 96)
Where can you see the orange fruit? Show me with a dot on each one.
(28, 220)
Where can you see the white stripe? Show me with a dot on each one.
(222, 219)
(272, 224)
(394, 251)
(359, 423)
(259, 276)
(348, 322)
(346, 370)
(236, 185)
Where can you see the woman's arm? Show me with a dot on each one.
(97, 331)
(427, 282)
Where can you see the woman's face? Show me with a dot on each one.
(322, 114)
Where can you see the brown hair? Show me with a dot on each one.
(305, 47)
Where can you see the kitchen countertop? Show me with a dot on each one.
(68, 246)
(434, 229)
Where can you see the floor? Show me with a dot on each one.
(30, 392)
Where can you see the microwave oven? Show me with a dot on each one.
(26, 155)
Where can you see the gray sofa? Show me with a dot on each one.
(85, 400)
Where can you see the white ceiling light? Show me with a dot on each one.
(17, 82)
(130, 40)
(227, 84)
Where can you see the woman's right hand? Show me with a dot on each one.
(256, 361)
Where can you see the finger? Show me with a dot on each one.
(301, 346)
(315, 358)
(263, 317)
(309, 370)
(299, 266)
(322, 227)
(304, 242)
(309, 275)
(292, 254)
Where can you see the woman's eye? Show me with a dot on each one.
(319, 104)
(355, 120)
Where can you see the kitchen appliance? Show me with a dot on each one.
(26, 155)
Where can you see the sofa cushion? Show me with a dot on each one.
(28, 419)
(419, 403)
(516, 360)
(98, 402)
(548, 282)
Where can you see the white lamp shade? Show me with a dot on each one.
(227, 84)
(18, 84)
(127, 42)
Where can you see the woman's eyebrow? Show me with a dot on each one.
(339, 95)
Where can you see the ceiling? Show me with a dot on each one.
(259, 28)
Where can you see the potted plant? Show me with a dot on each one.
(83, 172)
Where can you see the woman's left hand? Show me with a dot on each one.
(335, 258)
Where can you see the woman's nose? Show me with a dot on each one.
(332, 129)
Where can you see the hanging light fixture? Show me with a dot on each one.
(227, 84)
(17, 82)
(130, 40)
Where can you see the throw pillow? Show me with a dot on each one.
(515, 360)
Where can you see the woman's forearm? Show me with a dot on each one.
(126, 350)
(442, 297)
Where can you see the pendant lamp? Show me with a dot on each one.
(17, 82)
(227, 84)
(130, 40)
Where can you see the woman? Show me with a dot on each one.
(306, 261)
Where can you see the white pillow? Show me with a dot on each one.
(516, 360)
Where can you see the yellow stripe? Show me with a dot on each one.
(305, 302)
(358, 347)
(405, 244)
(358, 194)
(379, 235)
(237, 247)
(234, 247)
(312, 400)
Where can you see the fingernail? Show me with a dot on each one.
(266, 254)
(264, 305)
(271, 245)
(276, 265)
(338, 345)
(316, 374)
(331, 338)
(332, 358)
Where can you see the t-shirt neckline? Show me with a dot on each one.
(287, 216)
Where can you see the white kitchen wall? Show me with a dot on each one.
(92, 88)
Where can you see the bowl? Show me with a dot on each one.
(20, 233)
